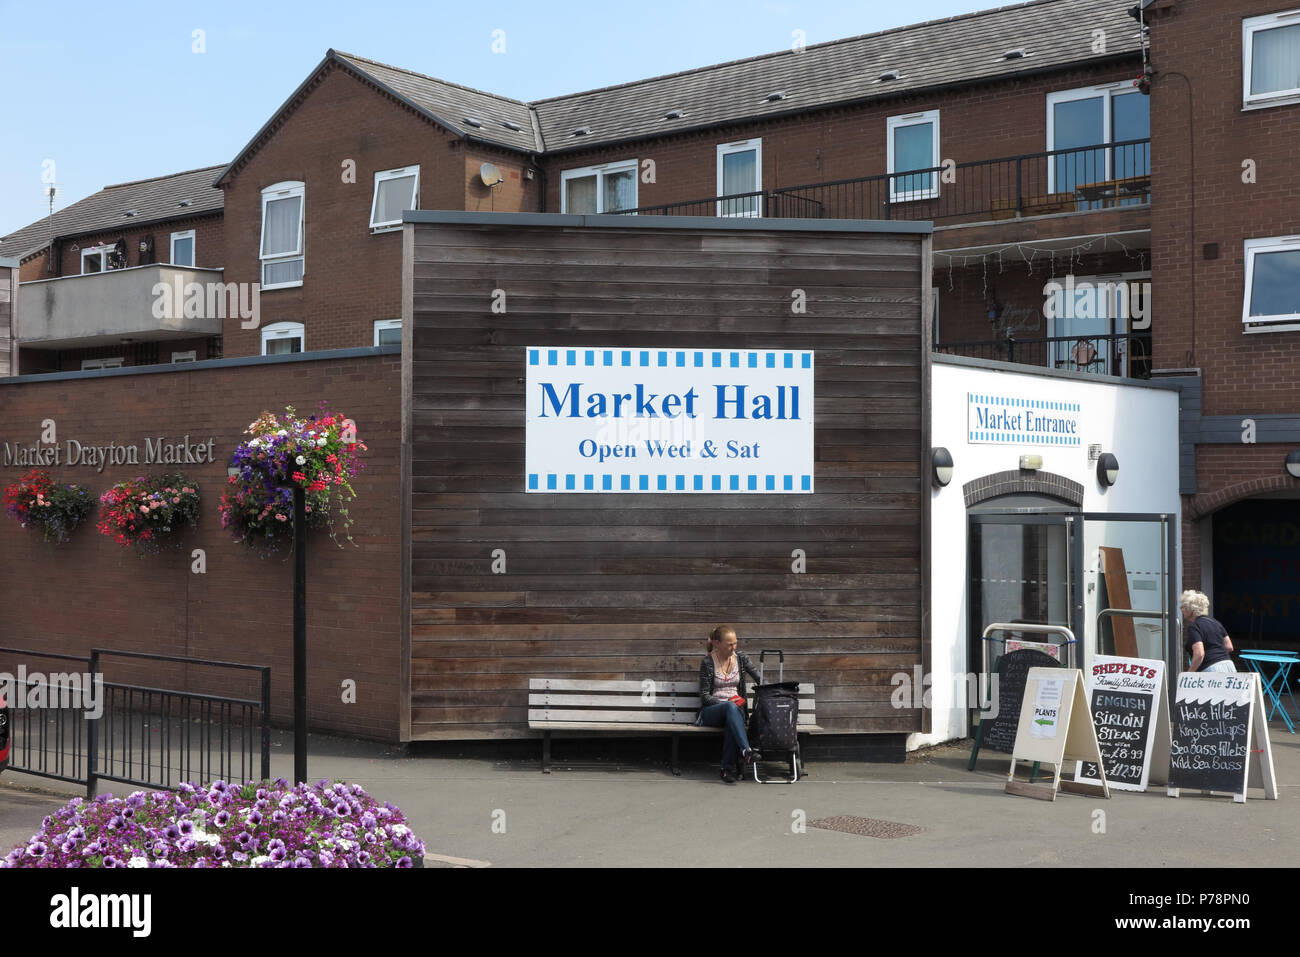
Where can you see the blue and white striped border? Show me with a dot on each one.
(1022, 438)
(671, 358)
(666, 482)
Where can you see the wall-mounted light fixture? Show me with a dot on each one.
(941, 467)
(1031, 462)
(1293, 464)
(1107, 469)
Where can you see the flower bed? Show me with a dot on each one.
(319, 454)
(272, 825)
(56, 509)
(147, 513)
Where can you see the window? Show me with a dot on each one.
(610, 188)
(99, 259)
(282, 219)
(913, 143)
(1271, 59)
(184, 356)
(282, 338)
(183, 248)
(1093, 323)
(740, 170)
(388, 332)
(396, 190)
(1094, 116)
(88, 365)
(1272, 281)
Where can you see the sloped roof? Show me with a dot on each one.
(1054, 34)
(152, 200)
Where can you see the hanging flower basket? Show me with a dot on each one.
(56, 509)
(320, 454)
(149, 513)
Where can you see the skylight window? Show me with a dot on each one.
(511, 126)
(473, 122)
(776, 95)
(888, 75)
(674, 115)
(1017, 54)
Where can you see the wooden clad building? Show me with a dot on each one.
(507, 583)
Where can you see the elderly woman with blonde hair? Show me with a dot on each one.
(1208, 646)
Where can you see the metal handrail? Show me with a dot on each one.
(1071, 642)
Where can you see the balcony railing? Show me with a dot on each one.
(1125, 354)
(1074, 180)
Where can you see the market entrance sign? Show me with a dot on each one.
(669, 420)
(1021, 420)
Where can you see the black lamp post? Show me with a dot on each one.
(299, 635)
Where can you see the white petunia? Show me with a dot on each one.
(138, 862)
(301, 460)
(320, 441)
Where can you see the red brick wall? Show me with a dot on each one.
(352, 277)
(980, 123)
(93, 593)
(1243, 373)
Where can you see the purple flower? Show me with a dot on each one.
(239, 856)
(186, 826)
(77, 834)
(36, 849)
(279, 817)
(221, 818)
(218, 851)
(172, 832)
(243, 839)
(341, 809)
(301, 861)
(201, 862)
(186, 844)
(255, 817)
(111, 861)
(404, 862)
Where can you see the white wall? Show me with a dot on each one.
(1138, 424)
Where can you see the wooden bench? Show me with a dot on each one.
(633, 708)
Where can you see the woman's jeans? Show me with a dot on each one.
(731, 719)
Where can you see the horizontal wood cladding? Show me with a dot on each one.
(627, 586)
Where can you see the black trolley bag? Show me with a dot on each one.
(774, 721)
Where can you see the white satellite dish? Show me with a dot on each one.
(490, 175)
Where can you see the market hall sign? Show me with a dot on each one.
(1021, 420)
(157, 451)
(669, 420)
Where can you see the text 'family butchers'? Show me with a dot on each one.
(157, 451)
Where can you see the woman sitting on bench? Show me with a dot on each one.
(722, 697)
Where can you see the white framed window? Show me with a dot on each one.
(97, 259)
(282, 338)
(190, 356)
(1095, 116)
(388, 332)
(1270, 59)
(396, 190)
(282, 240)
(182, 253)
(1272, 284)
(912, 143)
(88, 365)
(608, 188)
(740, 170)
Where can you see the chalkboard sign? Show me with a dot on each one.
(999, 732)
(1124, 695)
(1211, 720)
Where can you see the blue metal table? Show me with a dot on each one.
(1275, 684)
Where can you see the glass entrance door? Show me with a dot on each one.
(1020, 571)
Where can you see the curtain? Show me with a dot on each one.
(620, 191)
(1275, 60)
(280, 228)
(581, 195)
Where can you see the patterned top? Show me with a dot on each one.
(726, 686)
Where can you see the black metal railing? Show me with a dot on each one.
(83, 729)
(1121, 354)
(1074, 180)
(47, 732)
(155, 737)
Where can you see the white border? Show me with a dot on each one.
(899, 122)
(743, 146)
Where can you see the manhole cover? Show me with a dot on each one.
(866, 826)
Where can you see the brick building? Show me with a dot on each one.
(1226, 273)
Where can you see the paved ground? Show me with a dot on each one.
(506, 813)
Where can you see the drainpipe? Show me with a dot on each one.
(541, 182)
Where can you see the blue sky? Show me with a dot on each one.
(112, 93)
